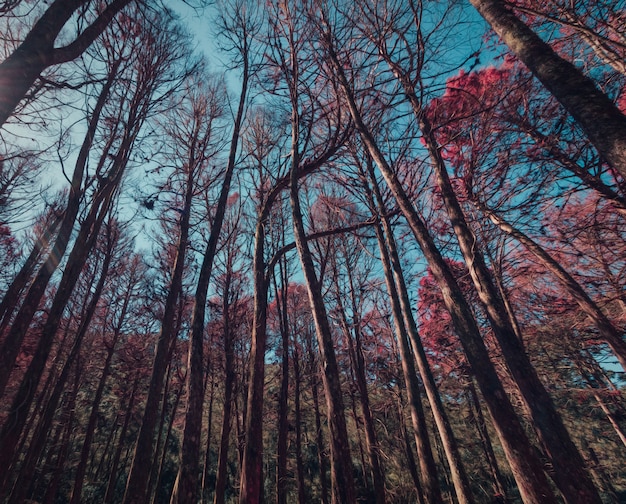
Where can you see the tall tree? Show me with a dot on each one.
(526, 466)
(241, 29)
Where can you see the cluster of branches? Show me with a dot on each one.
(385, 272)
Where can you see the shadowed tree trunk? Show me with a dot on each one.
(229, 371)
(37, 52)
(607, 330)
(569, 471)
(115, 460)
(187, 487)
(399, 294)
(341, 465)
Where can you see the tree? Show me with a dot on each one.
(527, 468)
(242, 29)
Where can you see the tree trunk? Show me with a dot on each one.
(222, 458)
(569, 471)
(408, 450)
(139, 475)
(297, 378)
(187, 488)
(18, 413)
(607, 330)
(251, 485)
(115, 461)
(601, 120)
(11, 297)
(67, 420)
(319, 435)
(39, 439)
(358, 364)
(283, 397)
(206, 470)
(476, 412)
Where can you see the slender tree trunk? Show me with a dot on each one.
(22, 402)
(408, 450)
(115, 461)
(601, 120)
(319, 435)
(206, 470)
(222, 458)
(283, 397)
(499, 486)
(398, 289)
(11, 297)
(40, 437)
(297, 378)
(137, 483)
(81, 470)
(187, 487)
(67, 420)
(342, 481)
(156, 496)
(607, 330)
(251, 485)
(159, 443)
(358, 365)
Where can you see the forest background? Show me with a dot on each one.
(303, 251)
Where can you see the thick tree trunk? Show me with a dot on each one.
(602, 121)
(37, 52)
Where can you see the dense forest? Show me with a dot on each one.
(303, 251)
